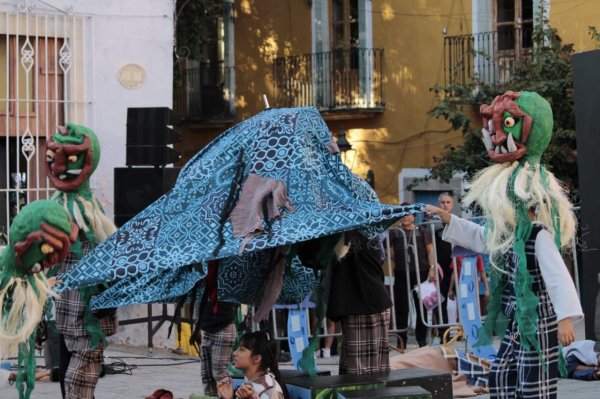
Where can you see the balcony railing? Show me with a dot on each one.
(334, 81)
(203, 95)
(485, 57)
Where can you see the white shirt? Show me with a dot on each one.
(557, 279)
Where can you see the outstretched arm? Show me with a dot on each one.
(460, 231)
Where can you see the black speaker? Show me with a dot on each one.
(587, 109)
(150, 155)
(136, 188)
(151, 116)
(148, 136)
(151, 135)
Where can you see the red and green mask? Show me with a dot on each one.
(72, 155)
(40, 237)
(517, 126)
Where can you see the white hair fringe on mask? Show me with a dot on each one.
(26, 311)
(489, 189)
(101, 225)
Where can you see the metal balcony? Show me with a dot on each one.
(202, 94)
(487, 57)
(338, 81)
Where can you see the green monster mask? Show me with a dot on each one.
(40, 237)
(517, 126)
(71, 157)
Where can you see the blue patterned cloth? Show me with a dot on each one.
(148, 259)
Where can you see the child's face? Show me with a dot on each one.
(243, 358)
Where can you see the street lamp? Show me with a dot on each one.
(342, 142)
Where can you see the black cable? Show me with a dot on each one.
(118, 367)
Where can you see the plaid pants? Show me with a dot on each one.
(518, 373)
(80, 367)
(365, 347)
(215, 354)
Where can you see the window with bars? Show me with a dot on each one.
(31, 82)
(43, 70)
(514, 24)
(204, 82)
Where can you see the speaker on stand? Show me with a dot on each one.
(150, 136)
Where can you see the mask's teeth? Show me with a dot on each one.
(490, 125)
(503, 150)
(487, 139)
(497, 150)
(74, 171)
(510, 143)
(36, 268)
(62, 177)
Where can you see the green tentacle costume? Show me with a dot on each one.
(517, 130)
(40, 237)
(71, 157)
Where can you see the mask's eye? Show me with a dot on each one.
(72, 158)
(509, 121)
(46, 249)
(50, 156)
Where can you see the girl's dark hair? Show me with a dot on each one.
(259, 344)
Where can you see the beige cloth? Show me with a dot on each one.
(247, 218)
(432, 358)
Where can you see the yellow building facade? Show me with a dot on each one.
(370, 66)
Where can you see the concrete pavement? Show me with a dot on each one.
(181, 375)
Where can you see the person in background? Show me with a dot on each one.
(583, 360)
(328, 341)
(359, 300)
(218, 334)
(261, 372)
(404, 257)
(444, 254)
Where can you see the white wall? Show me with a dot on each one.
(119, 32)
(139, 32)
(132, 31)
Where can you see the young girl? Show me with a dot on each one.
(255, 358)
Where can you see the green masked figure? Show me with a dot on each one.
(528, 220)
(72, 155)
(40, 237)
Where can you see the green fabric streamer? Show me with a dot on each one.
(27, 367)
(526, 316)
(235, 372)
(562, 363)
(320, 296)
(527, 301)
(496, 321)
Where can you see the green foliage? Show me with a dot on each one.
(548, 72)
(193, 22)
(595, 35)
